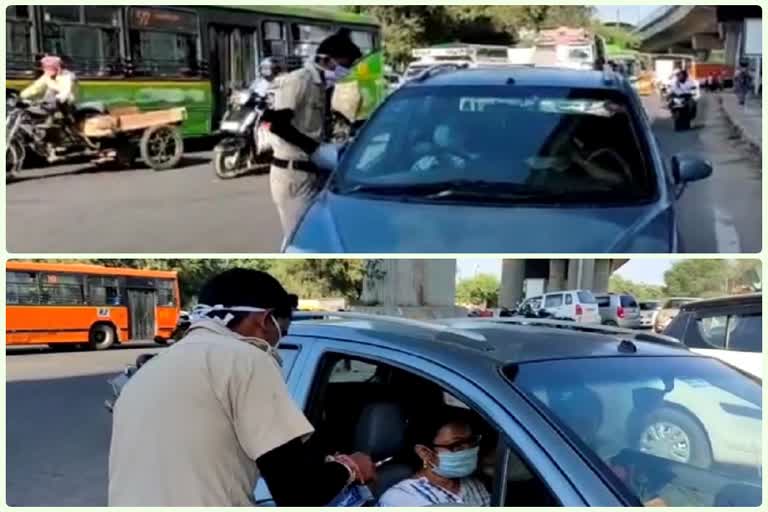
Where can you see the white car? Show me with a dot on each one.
(576, 305)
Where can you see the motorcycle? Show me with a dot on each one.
(683, 110)
(246, 147)
(67, 133)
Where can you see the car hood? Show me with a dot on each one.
(363, 225)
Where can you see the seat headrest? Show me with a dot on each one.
(381, 430)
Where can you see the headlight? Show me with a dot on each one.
(241, 97)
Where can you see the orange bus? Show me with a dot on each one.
(89, 305)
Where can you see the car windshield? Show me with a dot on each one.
(650, 306)
(508, 143)
(682, 431)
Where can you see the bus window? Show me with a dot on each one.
(364, 41)
(163, 41)
(103, 291)
(18, 40)
(64, 289)
(89, 36)
(275, 45)
(306, 38)
(166, 293)
(21, 288)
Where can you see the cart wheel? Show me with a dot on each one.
(14, 160)
(161, 147)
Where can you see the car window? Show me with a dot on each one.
(745, 333)
(628, 302)
(586, 297)
(569, 299)
(603, 301)
(288, 354)
(553, 301)
(542, 143)
(349, 370)
(712, 330)
(660, 425)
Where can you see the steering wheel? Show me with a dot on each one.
(455, 158)
(623, 168)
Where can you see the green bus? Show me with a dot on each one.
(160, 57)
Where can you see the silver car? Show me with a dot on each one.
(620, 310)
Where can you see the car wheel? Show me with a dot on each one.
(674, 435)
(101, 337)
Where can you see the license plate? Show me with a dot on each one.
(230, 126)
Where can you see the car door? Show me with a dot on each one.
(554, 304)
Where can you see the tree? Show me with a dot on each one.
(640, 291)
(698, 278)
(481, 290)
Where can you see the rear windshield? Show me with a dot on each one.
(586, 297)
(503, 143)
(650, 306)
(654, 421)
(628, 301)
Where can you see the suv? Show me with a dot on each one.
(619, 310)
(575, 305)
(669, 311)
(513, 149)
(730, 328)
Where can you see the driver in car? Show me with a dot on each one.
(56, 87)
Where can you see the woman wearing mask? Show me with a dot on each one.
(448, 451)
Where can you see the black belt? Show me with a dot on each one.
(296, 165)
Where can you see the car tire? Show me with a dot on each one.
(677, 424)
(101, 337)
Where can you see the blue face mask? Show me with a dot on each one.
(457, 464)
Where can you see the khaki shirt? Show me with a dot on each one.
(189, 425)
(62, 88)
(302, 91)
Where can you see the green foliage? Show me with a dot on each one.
(406, 27)
(697, 278)
(640, 291)
(617, 36)
(309, 278)
(481, 290)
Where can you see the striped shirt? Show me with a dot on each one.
(420, 492)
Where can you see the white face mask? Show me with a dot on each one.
(201, 312)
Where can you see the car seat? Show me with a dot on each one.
(381, 433)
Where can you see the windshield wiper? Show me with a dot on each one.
(438, 189)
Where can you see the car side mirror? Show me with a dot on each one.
(688, 168)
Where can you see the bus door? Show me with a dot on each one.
(234, 62)
(142, 305)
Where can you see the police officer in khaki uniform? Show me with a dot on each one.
(202, 421)
(299, 120)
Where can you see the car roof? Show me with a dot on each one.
(731, 300)
(524, 76)
(465, 342)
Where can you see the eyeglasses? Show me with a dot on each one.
(461, 444)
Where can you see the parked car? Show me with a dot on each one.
(547, 160)
(619, 310)
(730, 329)
(649, 310)
(574, 305)
(669, 311)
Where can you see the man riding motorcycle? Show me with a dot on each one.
(269, 71)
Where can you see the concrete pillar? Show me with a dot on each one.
(602, 276)
(556, 279)
(410, 283)
(512, 277)
(574, 269)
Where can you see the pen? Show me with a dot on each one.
(383, 461)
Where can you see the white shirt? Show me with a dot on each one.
(420, 492)
(189, 425)
(687, 87)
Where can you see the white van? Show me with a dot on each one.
(576, 305)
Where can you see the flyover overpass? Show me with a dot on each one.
(427, 288)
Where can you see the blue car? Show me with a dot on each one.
(503, 160)
(569, 415)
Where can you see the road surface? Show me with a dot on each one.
(74, 209)
(57, 428)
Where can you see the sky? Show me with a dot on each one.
(627, 13)
(641, 271)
